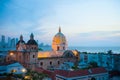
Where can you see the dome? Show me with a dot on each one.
(21, 40)
(59, 41)
(59, 38)
(20, 46)
(32, 41)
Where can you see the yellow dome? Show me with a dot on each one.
(59, 41)
(59, 38)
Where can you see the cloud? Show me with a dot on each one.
(101, 38)
(82, 22)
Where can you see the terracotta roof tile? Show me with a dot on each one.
(66, 73)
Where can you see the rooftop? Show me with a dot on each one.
(77, 73)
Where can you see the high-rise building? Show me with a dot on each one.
(9, 42)
(16, 40)
(3, 41)
(13, 43)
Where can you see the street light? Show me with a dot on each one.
(11, 53)
(24, 70)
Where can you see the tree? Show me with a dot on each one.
(110, 52)
(93, 64)
(93, 78)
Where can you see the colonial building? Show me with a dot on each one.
(29, 55)
(87, 74)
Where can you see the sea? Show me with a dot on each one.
(90, 49)
(115, 50)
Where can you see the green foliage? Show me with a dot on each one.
(93, 78)
(110, 52)
(75, 67)
(35, 75)
(93, 64)
(40, 49)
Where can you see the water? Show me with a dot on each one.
(89, 49)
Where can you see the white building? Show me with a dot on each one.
(13, 67)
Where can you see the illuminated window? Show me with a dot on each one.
(11, 53)
(13, 70)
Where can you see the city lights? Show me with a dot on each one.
(24, 70)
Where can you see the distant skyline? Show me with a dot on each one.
(83, 22)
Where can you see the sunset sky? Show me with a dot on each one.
(83, 22)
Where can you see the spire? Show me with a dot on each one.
(21, 37)
(31, 36)
(59, 29)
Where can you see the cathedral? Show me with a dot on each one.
(28, 54)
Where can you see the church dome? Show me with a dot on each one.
(20, 46)
(32, 41)
(59, 40)
(21, 40)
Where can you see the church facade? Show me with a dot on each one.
(28, 54)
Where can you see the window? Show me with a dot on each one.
(13, 70)
(50, 63)
(41, 63)
(33, 56)
(58, 62)
(19, 57)
(63, 48)
(8, 59)
(58, 48)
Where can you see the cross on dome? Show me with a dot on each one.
(59, 29)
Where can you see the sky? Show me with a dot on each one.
(83, 22)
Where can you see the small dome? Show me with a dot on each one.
(32, 42)
(21, 40)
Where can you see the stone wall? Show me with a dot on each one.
(53, 62)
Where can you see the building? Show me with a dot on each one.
(108, 61)
(3, 41)
(87, 74)
(99, 73)
(12, 67)
(29, 55)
